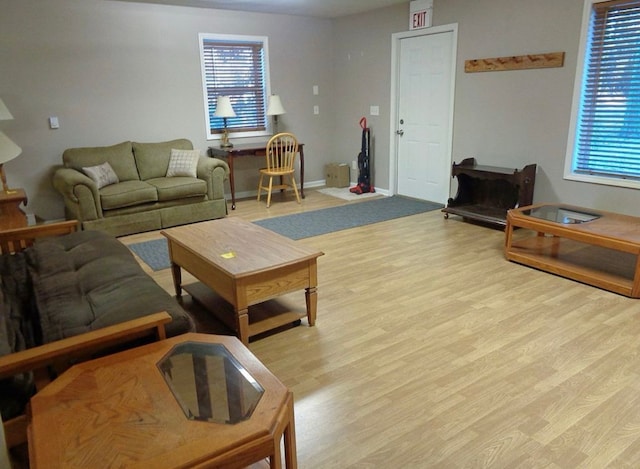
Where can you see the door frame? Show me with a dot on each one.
(395, 73)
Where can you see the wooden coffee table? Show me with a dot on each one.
(245, 264)
(591, 246)
(195, 400)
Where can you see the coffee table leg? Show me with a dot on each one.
(311, 296)
(242, 325)
(177, 279)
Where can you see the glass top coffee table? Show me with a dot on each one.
(591, 246)
(195, 400)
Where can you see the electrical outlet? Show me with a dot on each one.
(354, 165)
(316, 109)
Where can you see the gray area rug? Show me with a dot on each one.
(304, 225)
(328, 220)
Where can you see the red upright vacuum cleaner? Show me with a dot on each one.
(364, 163)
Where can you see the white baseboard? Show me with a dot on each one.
(309, 184)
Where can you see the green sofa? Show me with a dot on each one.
(144, 198)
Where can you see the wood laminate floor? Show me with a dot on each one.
(433, 351)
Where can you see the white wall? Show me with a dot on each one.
(362, 62)
(510, 118)
(513, 118)
(114, 71)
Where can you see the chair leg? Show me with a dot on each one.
(260, 186)
(295, 188)
(269, 193)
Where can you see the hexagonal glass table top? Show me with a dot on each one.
(209, 383)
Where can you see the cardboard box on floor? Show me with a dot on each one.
(337, 175)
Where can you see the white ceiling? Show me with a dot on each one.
(317, 8)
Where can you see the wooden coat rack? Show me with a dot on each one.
(515, 62)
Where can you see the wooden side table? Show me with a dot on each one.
(10, 214)
(194, 400)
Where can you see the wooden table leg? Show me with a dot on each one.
(290, 455)
(232, 183)
(176, 273)
(301, 150)
(311, 297)
(242, 325)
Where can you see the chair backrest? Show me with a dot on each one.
(281, 151)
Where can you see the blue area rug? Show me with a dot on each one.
(153, 253)
(328, 220)
(304, 225)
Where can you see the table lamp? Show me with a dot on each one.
(275, 109)
(224, 110)
(8, 149)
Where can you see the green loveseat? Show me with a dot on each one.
(144, 198)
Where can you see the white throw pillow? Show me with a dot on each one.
(183, 163)
(102, 175)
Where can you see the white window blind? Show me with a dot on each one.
(235, 67)
(607, 139)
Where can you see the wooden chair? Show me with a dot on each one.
(281, 155)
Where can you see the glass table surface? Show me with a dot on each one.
(209, 383)
(564, 215)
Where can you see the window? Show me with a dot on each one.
(235, 66)
(604, 142)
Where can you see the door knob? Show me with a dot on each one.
(400, 132)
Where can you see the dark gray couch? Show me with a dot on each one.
(67, 285)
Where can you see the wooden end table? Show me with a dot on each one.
(591, 246)
(245, 264)
(195, 400)
(10, 214)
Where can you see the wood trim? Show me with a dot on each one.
(18, 239)
(515, 62)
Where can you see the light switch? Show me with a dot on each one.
(315, 90)
(316, 109)
(53, 122)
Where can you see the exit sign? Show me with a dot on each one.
(420, 12)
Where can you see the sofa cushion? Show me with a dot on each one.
(178, 187)
(127, 194)
(152, 159)
(183, 163)
(102, 175)
(119, 156)
(88, 280)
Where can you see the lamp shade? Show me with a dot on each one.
(5, 115)
(274, 106)
(8, 149)
(224, 108)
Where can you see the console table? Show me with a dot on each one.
(591, 246)
(250, 149)
(485, 193)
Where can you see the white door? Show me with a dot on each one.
(424, 117)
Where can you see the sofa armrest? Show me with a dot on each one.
(80, 193)
(82, 345)
(18, 239)
(214, 171)
(37, 359)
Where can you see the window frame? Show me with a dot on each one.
(217, 134)
(580, 77)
